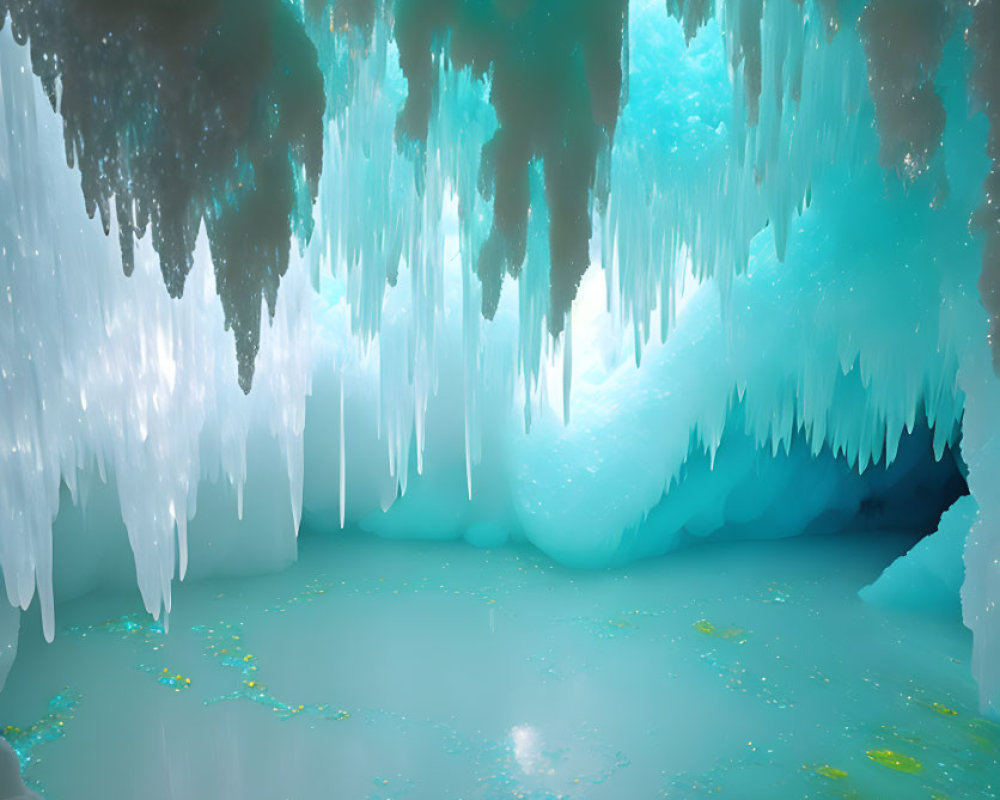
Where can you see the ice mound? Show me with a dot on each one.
(930, 576)
(11, 785)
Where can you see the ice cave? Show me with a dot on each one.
(499, 399)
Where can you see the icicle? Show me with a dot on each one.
(468, 462)
(567, 376)
(123, 347)
(343, 457)
(182, 544)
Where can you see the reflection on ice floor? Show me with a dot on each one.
(396, 670)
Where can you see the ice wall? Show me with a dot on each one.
(981, 450)
(810, 357)
(10, 624)
(929, 577)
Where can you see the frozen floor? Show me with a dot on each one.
(377, 669)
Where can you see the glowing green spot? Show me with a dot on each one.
(830, 772)
(896, 761)
(706, 627)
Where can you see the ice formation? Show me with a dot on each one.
(11, 785)
(781, 325)
(10, 621)
(930, 576)
(108, 378)
(208, 113)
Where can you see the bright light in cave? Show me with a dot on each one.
(499, 399)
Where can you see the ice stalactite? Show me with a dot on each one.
(984, 39)
(692, 182)
(692, 14)
(474, 124)
(107, 377)
(476, 121)
(380, 212)
(555, 84)
(661, 452)
(210, 112)
(479, 114)
(343, 459)
(903, 43)
(855, 292)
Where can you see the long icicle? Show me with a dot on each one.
(343, 460)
